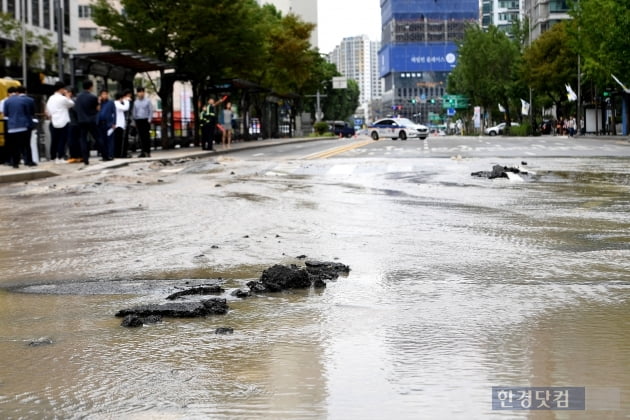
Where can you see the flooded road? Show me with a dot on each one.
(458, 284)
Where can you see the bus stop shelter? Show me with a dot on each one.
(121, 66)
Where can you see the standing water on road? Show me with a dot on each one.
(458, 284)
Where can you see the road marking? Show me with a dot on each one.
(341, 170)
(338, 150)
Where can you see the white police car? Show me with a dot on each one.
(397, 128)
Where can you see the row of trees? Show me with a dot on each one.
(226, 39)
(498, 68)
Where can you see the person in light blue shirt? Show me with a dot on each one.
(142, 113)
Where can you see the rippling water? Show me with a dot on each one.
(458, 284)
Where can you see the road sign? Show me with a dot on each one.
(340, 82)
(450, 112)
(454, 101)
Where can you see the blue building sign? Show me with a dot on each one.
(417, 58)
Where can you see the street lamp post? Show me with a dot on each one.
(579, 80)
(60, 28)
(24, 60)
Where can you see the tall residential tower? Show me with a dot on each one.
(356, 58)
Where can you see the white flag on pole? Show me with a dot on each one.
(625, 89)
(570, 93)
(524, 107)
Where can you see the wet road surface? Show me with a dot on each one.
(458, 284)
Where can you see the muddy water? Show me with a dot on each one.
(458, 284)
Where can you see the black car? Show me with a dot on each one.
(342, 129)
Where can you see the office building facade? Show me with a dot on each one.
(418, 52)
(39, 18)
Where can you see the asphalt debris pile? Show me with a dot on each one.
(277, 278)
(282, 277)
(199, 290)
(499, 171)
(151, 313)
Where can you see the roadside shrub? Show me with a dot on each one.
(320, 128)
(521, 130)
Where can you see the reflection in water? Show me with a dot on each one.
(457, 285)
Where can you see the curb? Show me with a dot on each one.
(32, 174)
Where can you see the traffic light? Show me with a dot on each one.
(412, 101)
(432, 100)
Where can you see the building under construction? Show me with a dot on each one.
(418, 52)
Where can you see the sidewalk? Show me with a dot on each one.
(47, 168)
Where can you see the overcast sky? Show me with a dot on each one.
(339, 19)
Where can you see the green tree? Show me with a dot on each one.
(487, 68)
(340, 104)
(601, 34)
(211, 41)
(549, 64)
(285, 59)
(40, 52)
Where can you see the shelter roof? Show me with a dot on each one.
(124, 61)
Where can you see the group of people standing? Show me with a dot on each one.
(107, 121)
(212, 117)
(73, 119)
(566, 127)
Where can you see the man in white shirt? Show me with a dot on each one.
(122, 106)
(57, 109)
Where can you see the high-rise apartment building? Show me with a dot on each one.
(305, 9)
(419, 50)
(500, 13)
(377, 82)
(356, 58)
(543, 14)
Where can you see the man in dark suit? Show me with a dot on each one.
(86, 107)
(20, 112)
(106, 125)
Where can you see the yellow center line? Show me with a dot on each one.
(338, 150)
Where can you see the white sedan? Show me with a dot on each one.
(396, 128)
(498, 129)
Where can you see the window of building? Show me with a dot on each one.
(556, 6)
(87, 34)
(508, 17)
(66, 17)
(35, 11)
(509, 4)
(11, 8)
(46, 14)
(85, 11)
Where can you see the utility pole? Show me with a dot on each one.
(60, 29)
(24, 60)
(318, 110)
(579, 78)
